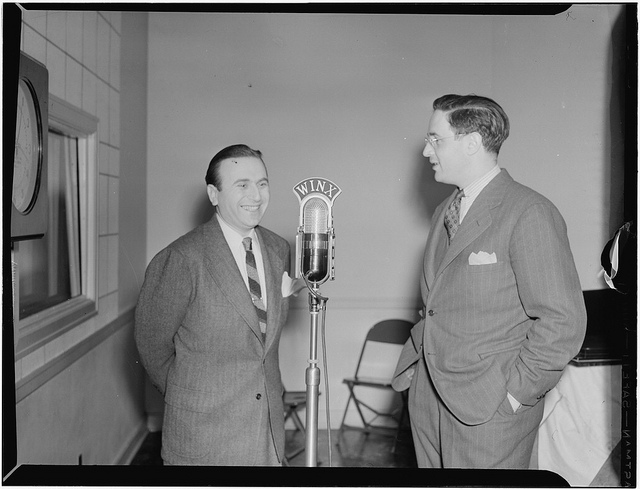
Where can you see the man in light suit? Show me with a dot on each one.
(503, 307)
(202, 331)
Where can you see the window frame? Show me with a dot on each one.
(39, 329)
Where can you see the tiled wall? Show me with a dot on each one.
(81, 50)
(83, 400)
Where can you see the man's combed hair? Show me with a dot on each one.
(212, 176)
(473, 113)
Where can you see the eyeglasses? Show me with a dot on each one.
(433, 141)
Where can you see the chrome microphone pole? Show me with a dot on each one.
(317, 306)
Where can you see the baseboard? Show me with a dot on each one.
(154, 422)
(133, 446)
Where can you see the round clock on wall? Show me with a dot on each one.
(30, 204)
(27, 162)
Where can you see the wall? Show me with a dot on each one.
(81, 396)
(348, 97)
(133, 157)
(133, 182)
(573, 132)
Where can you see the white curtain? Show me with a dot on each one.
(70, 163)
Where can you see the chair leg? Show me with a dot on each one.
(357, 403)
(346, 409)
(289, 456)
(293, 414)
(368, 426)
(365, 424)
(297, 421)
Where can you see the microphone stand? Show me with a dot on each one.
(316, 304)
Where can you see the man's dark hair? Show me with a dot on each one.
(212, 176)
(473, 113)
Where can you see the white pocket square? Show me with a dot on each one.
(291, 286)
(482, 258)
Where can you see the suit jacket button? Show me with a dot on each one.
(431, 312)
(258, 396)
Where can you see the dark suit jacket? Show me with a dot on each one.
(199, 339)
(513, 321)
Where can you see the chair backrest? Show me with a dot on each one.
(390, 331)
(395, 331)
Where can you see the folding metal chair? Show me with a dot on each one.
(390, 332)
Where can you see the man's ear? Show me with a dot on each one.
(474, 143)
(212, 192)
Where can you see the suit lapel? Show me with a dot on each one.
(225, 273)
(467, 233)
(436, 244)
(270, 259)
(477, 220)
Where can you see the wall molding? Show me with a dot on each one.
(357, 303)
(131, 449)
(48, 371)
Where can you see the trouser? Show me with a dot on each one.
(443, 441)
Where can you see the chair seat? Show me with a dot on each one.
(368, 381)
(295, 398)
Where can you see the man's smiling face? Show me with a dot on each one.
(244, 194)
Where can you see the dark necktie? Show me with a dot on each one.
(452, 216)
(254, 285)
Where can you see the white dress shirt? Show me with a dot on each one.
(472, 190)
(234, 240)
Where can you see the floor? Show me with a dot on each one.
(352, 448)
(149, 451)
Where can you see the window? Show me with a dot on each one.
(55, 276)
(49, 272)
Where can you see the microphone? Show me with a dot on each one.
(315, 239)
(314, 263)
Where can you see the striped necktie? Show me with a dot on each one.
(452, 215)
(254, 285)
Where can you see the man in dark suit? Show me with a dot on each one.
(208, 324)
(503, 307)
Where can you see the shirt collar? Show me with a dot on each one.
(233, 237)
(472, 190)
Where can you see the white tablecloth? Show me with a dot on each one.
(581, 422)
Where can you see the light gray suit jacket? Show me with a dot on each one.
(508, 324)
(199, 339)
